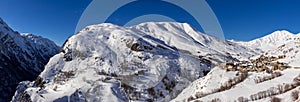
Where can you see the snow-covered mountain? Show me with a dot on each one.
(280, 50)
(290, 50)
(22, 57)
(182, 35)
(276, 44)
(271, 41)
(167, 61)
(152, 61)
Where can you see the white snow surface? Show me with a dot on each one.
(290, 50)
(246, 88)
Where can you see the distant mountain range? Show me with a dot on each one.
(22, 57)
(161, 61)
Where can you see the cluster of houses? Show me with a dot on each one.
(262, 63)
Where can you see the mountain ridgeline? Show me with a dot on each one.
(23, 57)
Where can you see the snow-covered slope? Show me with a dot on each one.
(182, 35)
(290, 50)
(228, 86)
(146, 62)
(220, 85)
(271, 41)
(279, 43)
(22, 58)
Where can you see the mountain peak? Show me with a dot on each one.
(280, 33)
(166, 25)
(271, 41)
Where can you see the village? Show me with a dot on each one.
(260, 64)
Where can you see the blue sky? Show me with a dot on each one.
(53, 19)
(249, 19)
(240, 19)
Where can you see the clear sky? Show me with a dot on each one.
(53, 19)
(240, 19)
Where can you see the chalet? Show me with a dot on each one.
(268, 63)
(263, 63)
(260, 69)
(283, 67)
(273, 63)
(259, 64)
(243, 70)
(275, 67)
(281, 57)
(262, 57)
(250, 69)
(231, 69)
(231, 66)
(273, 58)
(282, 64)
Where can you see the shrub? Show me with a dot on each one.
(267, 77)
(242, 99)
(190, 98)
(136, 47)
(295, 95)
(275, 99)
(39, 82)
(151, 91)
(55, 88)
(24, 97)
(199, 94)
(287, 87)
(198, 101)
(297, 79)
(280, 88)
(216, 100)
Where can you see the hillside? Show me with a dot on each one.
(272, 75)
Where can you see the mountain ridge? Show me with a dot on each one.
(22, 58)
(270, 41)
